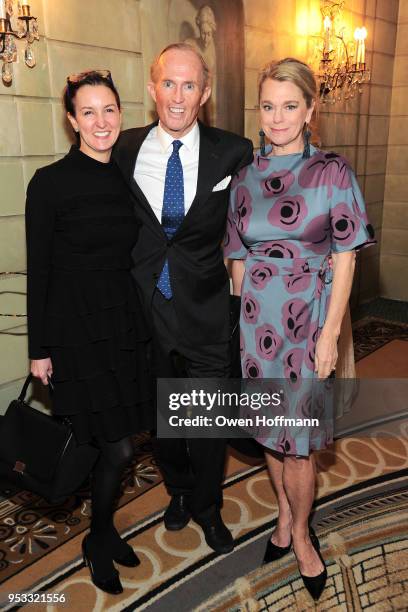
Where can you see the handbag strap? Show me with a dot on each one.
(27, 382)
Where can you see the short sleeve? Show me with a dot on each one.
(234, 247)
(350, 226)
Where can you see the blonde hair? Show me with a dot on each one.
(293, 70)
(155, 67)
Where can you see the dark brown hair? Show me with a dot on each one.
(90, 77)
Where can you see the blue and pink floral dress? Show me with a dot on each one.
(286, 215)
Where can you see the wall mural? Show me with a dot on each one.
(216, 29)
(205, 44)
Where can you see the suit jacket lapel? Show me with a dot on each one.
(208, 161)
(126, 158)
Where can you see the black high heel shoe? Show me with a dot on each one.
(120, 550)
(110, 585)
(315, 584)
(129, 559)
(314, 539)
(274, 552)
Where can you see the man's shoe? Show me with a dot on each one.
(217, 535)
(177, 514)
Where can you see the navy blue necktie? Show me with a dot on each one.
(173, 209)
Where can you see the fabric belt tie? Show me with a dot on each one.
(317, 267)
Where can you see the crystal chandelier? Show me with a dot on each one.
(342, 66)
(25, 27)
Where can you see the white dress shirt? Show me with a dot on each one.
(151, 165)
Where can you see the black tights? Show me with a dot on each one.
(106, 477)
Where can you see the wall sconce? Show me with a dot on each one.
(26, 27)
(342, 66)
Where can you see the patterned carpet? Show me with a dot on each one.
(365, 543)
(30, 527)
(358, 500)
(39, 544)
(372, 333)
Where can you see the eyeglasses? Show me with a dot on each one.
(73, 79)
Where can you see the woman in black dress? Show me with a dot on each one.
(85, 323)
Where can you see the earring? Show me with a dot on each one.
(262, 142)
(306, 139)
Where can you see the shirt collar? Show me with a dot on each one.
(190, 140)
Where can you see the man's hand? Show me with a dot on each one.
(41, 368)
(326, 354)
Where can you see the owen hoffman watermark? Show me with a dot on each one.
(258, 420)
(262, 408)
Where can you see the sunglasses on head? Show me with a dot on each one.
(73, 79)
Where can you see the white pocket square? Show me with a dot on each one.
(222, 184)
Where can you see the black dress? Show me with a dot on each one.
(83, 309)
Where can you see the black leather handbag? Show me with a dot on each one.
(39, 453)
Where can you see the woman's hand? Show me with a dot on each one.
(326, 354)
(236, 267)
(342, 265)
(41, 368)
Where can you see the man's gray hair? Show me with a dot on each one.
(155, 67)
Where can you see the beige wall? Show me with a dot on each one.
(358, 129)
(394, 247)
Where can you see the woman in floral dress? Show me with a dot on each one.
(291, 209)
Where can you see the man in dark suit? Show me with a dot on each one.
(180, 172)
